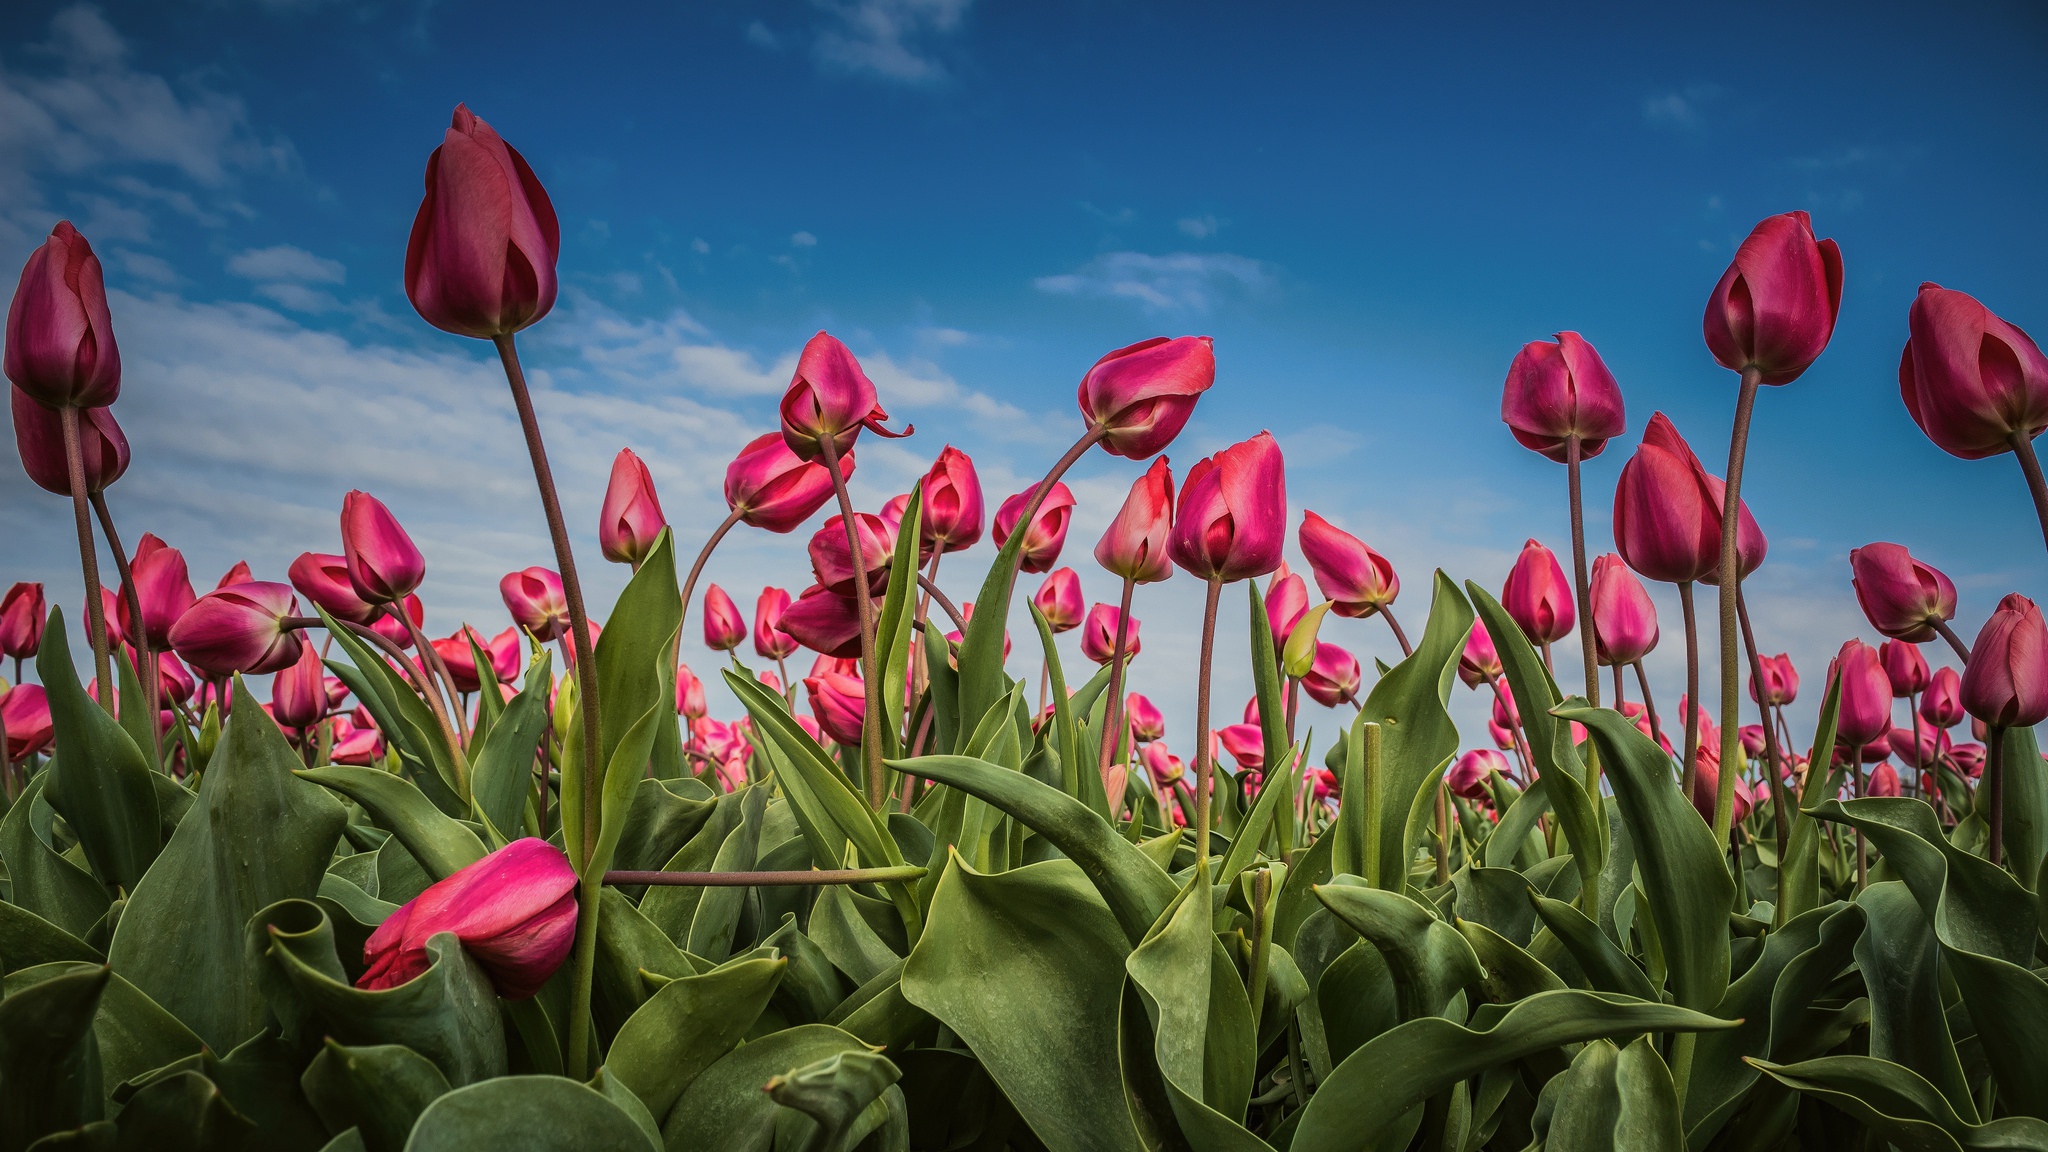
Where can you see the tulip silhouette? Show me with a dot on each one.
(1902, 597)
(239, 629)
(1559, 391)
(481, 260)
(514, 912)
(534, 598)
(1059, 600)
(1334, 678)
(1047, 533)
(1138, 398)
(383, 564)
(1101, 631)
(630, 521)
(1357, 580)
(724, 628)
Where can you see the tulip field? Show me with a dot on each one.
(282, 871)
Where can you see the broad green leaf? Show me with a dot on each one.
(2026, 806)
(1618, 1099)
(895, 626)
(623, 774)
(441, 843)
(490, 703)
(846, 1097)
(1901, 970)
(718, 910)
(1411, 706)
(379, 1090)
(134, 717)
(41, 880)
(1516, 840)
(665, 814)
(687, 1026)
(401, 713)
(1430, 960)
(530, 1113)
(635, 650)
(1901, 1107)
(185, 1112)
(135, 1034)
(629, 945)
(1201, 1022)
(503, 777)
(1799, 872)
(1606, 966)
(101, 780)
(672, 907)
(50, 1074)
(1507, 972)
(27, 939)
(725, 1109)
(1079, 765)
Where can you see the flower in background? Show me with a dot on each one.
(1357, 579)
(1334, 678)
(1059, 600)
(1146, 721)
(773, 488)
(1774, 309)
(22, 615)
(1557, 390)
(1624, 619)
(1538, 596)
(514, 911)
(1048, 531)
(724, 628)
(1781, 681)
(536, 601)
(951, 519)
(1480, 660)
(838, 701)
(1971, 381)
(1098, 634)
(1865, 714)
(1134, 544)
(1901, 597)
(770, 641)
(322, 578)
(239, 629)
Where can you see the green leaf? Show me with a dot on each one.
(27, 939)
(1079, 771)
(42, 881)
(530, 1113)
(257, 835)
(50, 1072)
(1201, 1022)
(401, 713)
(503, 777)
(1901, 970)
(2026, 806)
(1606, 966)
(623, 775)
(665, 814)
(725, 1110)
(1430, 960)
(982, 682)
(441, 843)
(185, 1112)
(1902, 1108)
(1611, 1099)
(1799, 872)
(134, 716)
(135, 1034)
(687, 1026)
(1411, 706)
(718, 910)
(895, 626)
(379, 1090)
(846, 1098)
(638, 643)
(100, 782)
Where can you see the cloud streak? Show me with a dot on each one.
(1179, 282)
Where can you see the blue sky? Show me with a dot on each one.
(1369, 210)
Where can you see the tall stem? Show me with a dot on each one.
(2023, 449)
(88, 558)
(1688, 764)
(430, 659)
(871, 710)
(1400, 637)
(1620, 687)
(151, 693)
(1580, 584)
(1994, 779)
(1731, 587)
(1205, 767)
(1112, 719)
(919, 674)
(1649, 704)
(587, 702)
(1780, 803)
(697, 568)
(1955, 642)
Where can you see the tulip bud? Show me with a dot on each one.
(22, 616)
(1480, 661)
(363, 747)
(833, 562)
(535, 598)
(239, 629)
(952, 503)
(1048, 531)
(1900, 596)
(2005, 684)
(1286, 604)
(824, 622)
(1942, 705)
(1134, 544)
(770, 641)
(1141, 396)
(322, 578)
(1706, 786)
(690, 702)
(631, 518)
(1774, 309)
(1971, 381)
(1357, 579)
(1099, 634)
(1557, 391)
(1231, 523)
(1146, 722)
(1059, 600)
(1903, 666)
(1752, 737)
(1781, 681)
(1164, 766)
(1920, 746)
(163, 587)
(298, 697)
(1969, 759)
(1470, 773)
(514, 911)
(830, 398)
(839, 702)
(1538, 596)
(1624, 619)
(1866, 703)
(39, 438)
(25, 713)
(383, 564)
(1246, 744)
(60, 335)
(1334, 678)
(481, 260)
(772, 487)
(724, 628)
(1667, 512)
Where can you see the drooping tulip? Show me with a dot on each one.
(1165, 768)
(2005, 684)
(1560, 389)
(1469, 773)
(773, 488)
(383, 564)
(1047, 533)
(1146, 721)
(1335, 676)
(1246, 745)
(164, 588)
(1286, 604)
(1972, 382)
(824, 622)
(1141, 396)
(298, 697)
(39, 438)
(770, 641)
(1904, 667)
(630, 520)
(239, 629)
(1231, 522)
(1098, 634)
(830, 398)
(514, 911)
(1866, 695)
(536, 601)
(60, 335)
(1942, 704)
(1968, 759)
(481, 260)
(1774, 309)
(1900, 596)
(1357, 579)
(460, 659)
(724, 628)
(838, 701)
(690, 702)
(1059, 600)
(1134, 544)
(1538, 596)
(1920, 746)
(1781, 681)
(1667, 512)
(22, 615)
(173, 677)
(1624, 619)
(832, 561)
(25, 710)
(322, 578)
(952, 511)
(1480, 660)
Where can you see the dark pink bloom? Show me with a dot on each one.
(239, 629)
(770, 641)
(690, 701)
(1286, 604)
(1232, 520)
(1903, 666)
(383, 564)
(174, 678)
(298, 696)
(1165, 767)
(1538, 596)
(393, 629)
(772, 487)
(456, 653)
(535, 598)
(838, 701)
(832, 561)
(39, 438)
(724, 628)
(1048, 531)
(238, 573)
(1971, 381)
(830, 398)
(1359, 580)
(1900, 596)
(1667, 512)
(514, 911)
(1059, 600)
(1469, 774)
(952, 503)
(1246, 744)
(1752, 737)
(1624, 619)
(1866, 709)
(26, 710)
(481, 261)
(22, 615)
(1141, 396)
(1146, 722)
(825, 622)
(1134, 544)
(60, 335)
(1942, 706)
(162, 585)
(1558, 390)
(2006, 681)
(1884, 781)
(1919, 747)
(323, 579)
(362, 747)
(1334, 678)
(1098, 634)
(1480, 661)
(1774, 309)
(631, 518)
(1781, 680)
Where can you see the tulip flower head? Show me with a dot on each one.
(952, 510)
(1866, 709)
(1470, 773)
(1146, 721)
(389, 626)
(773, 488)
(1047, 533)
(1232, 519)
(1904, 667)
(514, 911)
(481, 260)
(298, 693)
(1667, 512)
(2005, 683)
(1900, 596)
(383, 564)
(1139, 397)
(1624, 619)
(1774, 309)
(1246, 744)
(456, 654)
(1480, 661)
(631, 520)
(832, 561)
(39, 439)
(239, 629)
(838, 701)
(1538, 596)
(60, 335)
(770, 641)
(1884, 781)
(322, 578)
(1559, 390)
(163, 587)
(830, 399)
(1164, 767)
(1357, 579)
(824, 622)
(1334, 678)
(1286, 604)
(25, 712)
(1942, 704)
(724, 628)
(535, 598)
(1099, 631)
(22, 615)
(690, 703)
(1059, 600)
(1971, 381)
(1134, 544)
(1781, 681)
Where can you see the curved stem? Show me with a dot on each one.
(871, 711)
(2023, 449)
(1730, 574)
(703, 555)
(1205, 767)
(1112, 717)
(945, 604)
(1955, 642)
(1689, 752)
(1581, 586)
(1773, 763)
(406, 665)
(1400, 637)
(146, 656)
(437, 668)
(88, 559)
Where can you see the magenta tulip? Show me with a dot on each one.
(839, 702)
(298, 694)
(39, 438)
(1334, 678)
(1774, 309)
(1480, 660)
(455, 653)
(1098, 634)
(22, 616)
(1904, 667)
(394, 630)
(1559, 390)
(1667, 512)
(1469, 774)
(1286, 604)
(1884, 781)
(1538, 596)
(1973, 383)
(383, 564)
(239, 573)
(1920, 746)
(952, 503)
(363, 747)
(536, 601)
(1146, 721)
(2005, 684)
(1752, 737)
(690, 702)
(25, 711)
(1968, 759)
(1139, 397)
(1232, 519)
(1048, 531)
(514, 911)
(60, 335)
(1781, 681)
(830, 398)
(1942, 705)
(1624, 619)
(631, 518)
(1246, 744)
(1357, 579)
(1165, 768)
(1865, 713)
(1134, 544)
(163, 587)
(1059, 600)
(481, 260)
(1900, 596)
(772, 487)
(239, 629)
(770, 641)
(724, 628)
(174, 678)
(322, 578)
(824, 622)
(832, 561)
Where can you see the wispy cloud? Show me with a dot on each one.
(1200, 227)
(892, 40)
(1176, 282)
(1681, 109)
(284, 262)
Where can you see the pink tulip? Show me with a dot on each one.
(514, 911)
(830, 398)
(481, 261)
(239, 629)
(383, 564)
(1538, 596)
(952, 502)
(1969, 759)
(1921, 746)
(1059, 600)
(1781, 681)
(1707, 783)
(1903, 666)
(172, 676)
(1334, 678)
(1139, 397)
(838, 701)
(25, 709)
(60, 335)
(1134, 544)
(772, 487)
(1286, 604)
(505, 651)
(1774, 309)
(1164, 766)
(1667, 512)
(455, 652)
(39, 438)
(1900, 596)
(391, 628)
(1470, 773)
(724, 628)
(1884, 781)
(1503, 736)
(1624, 619)
(824, 621)
(1359, 580)
(1972, 382)
(298, 696)
(1048, 531)
(1942, 705)
(1710, 734)
(1246, 744)
(1866, 707)
(1098, 634)
(1480, 661)
(690, 701)
(323, 579)
(832, 561)
(363, 747)
(1232, 519)
(1558, 390)
(535, 598)
(162, 585)
(892, 515)
(1146, 721)
(1752, 737)
(22, 615)
(631, 519)
(2006, 681)
(238, 574)
(770, 641)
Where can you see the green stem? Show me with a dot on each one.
(1205, 767)
(1112, 720)
(1731, 587)
(1581, 585)
(1689, 752)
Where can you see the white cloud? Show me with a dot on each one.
(887, 39)
(1200, 227)
(284, 262)
(1176, 282)
(1680, 109)
(700, 246)
(803, 240)
(761, 36)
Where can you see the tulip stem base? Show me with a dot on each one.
(88, 558)
(2023, 450)
(1730, 575)
(1205, 764)
(870, 673)
(1994, 783)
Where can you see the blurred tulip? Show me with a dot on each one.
(724, 628)
(832, 560)
(363, 747)
(1969, 759)
(336, 691)
(1286, 604)
(1774, 309)
(1503, 736)
(239, 629)
(1359, 580)
(1752, 736)
(1667, 512)
(838, 701)
(630, 520)
(60, 335)
(514, 911)
(456, 654)
(1246, 745)
(1059, 600)
(1232, 520)
(1164, 767)
(1781, 681)
(505, 651)
(1972, 382)
(1146, 722)
(1942, 704)
(162, 585)
(1480, 661)
(536, 601)
(1866, 703)
(2005, 684)
(1141, 396)
(690, 701)
(1884, 781)
(892, 514)
(39, 438)
(1334, 678)
(25, 709)
(770, 641)
(830, 398)
(22, 615)
(1919, 747)
(1558, 390)
(1706, 784)
(1904, 667)
(773, 488)
(173, 677)
(1098, 634)
(394, 630)
(1900, 596)
(1538, 596)
(1134, 544)
(1048, 531)
(322, 578)
(1469, 773)
(952, 503)
(1624, 619)
(1709, 732)
(824, 621)
(481, 260)
(383, 564)
(298, 695)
